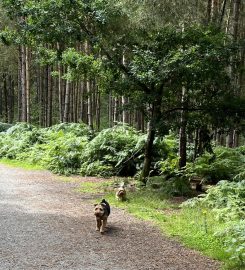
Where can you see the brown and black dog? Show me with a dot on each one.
(101, 211)
(121, 193)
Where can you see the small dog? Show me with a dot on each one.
(102, 210)
(121, 193)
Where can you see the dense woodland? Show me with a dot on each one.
(157, 65)
(132, 88)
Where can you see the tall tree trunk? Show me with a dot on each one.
(110, 110)
(49, 97)
(155, 113)
(124, 99)
(19, 84)
(83, 109)
(23, 85)
(115, 111)
(215, 11)
(182, 132)
(60, 90)
(98, 106)
(148, 151)
(223, 12)
(67, 101)
(42, 98)
(5, 94)
(236, 12)
(1, 102)
(209, 10)
(27, 77)
(11, 100)
(90, 102)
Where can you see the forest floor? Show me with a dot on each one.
(46, 224)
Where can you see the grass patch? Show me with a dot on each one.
(95, 187)
(195, 229)
(20, 164)
(143, 205)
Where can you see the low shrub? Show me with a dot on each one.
(4, 126)
(225, 164)
(175, 186)
(226, 201)
(116, 150)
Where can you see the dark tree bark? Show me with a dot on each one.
(155, 115)
(10, 99)
(23, 85)
(5, 94)
(182, 131)
(67, 101)
(49, 97)
(232, 140)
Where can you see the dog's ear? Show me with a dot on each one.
(95, 204)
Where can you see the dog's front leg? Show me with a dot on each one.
(98, 224)
(104, 222)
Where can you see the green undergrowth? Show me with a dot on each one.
(195, 228)
(94, 187)
(20, 164)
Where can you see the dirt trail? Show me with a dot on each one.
(44, 224)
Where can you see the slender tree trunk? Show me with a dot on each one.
(215, 11)
(49, 97)
(67, 101)
(223, 12)
(209, 10)
(236, 12)
(19, 84)
(5, 94)
(182, 132)
(10, 100)
(43, 87)
(76, 101)
(98, 106)
(1, 102)
(110, 110)
(196, 139)
(60, 90)
(90, 109)
(83, 109)
(148, 151)
(23, 85)
(115, 111)
(124, 99)
(27, 77)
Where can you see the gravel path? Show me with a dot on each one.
(44, 224)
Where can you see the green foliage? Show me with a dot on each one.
(225, 164)
(72, 148)
(80, 63)
(175, 186)
(112, 151)
(64, 153)
(227, 203)
(233, 237)
(226, 199)
(4, 126)
(57, 148)
(80, 129)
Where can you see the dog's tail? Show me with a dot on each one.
(104, 201)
